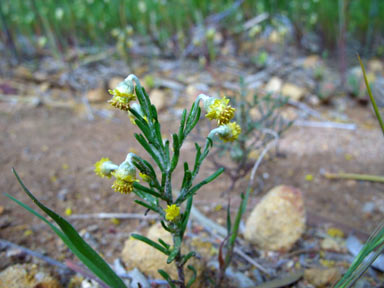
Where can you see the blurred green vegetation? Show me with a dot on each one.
(67, 23)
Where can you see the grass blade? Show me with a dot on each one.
(73, 240)
(378, 116)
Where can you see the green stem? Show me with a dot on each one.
(353, 176)
(371, 96)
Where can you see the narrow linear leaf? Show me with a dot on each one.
(166, 246)
(193, 278)
(149, 149)
(151, 243)
(167, 278)
(207, 180)
(93, 261)
(146, 205)
(59, 233)
(186, 215)
(147, 190)
(187, 257)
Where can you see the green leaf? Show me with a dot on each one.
(194, 189)
(74, 241)
(145, 103)
(148, 206)
(165, 226)
(186, 215)
(166, 246)
(172, 255)
(150, 150)
(182, 124)
(167, 278)
(364, 259)
(187, 257)
(193, 278)
(176, 152)
(144, 128)
(147, 190)
(151, 243)
(229, 221)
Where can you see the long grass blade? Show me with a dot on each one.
(73, 240)
(377, 112)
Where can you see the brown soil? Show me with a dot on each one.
(53, 150)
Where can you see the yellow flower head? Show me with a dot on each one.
(125, 176)
(123, 94)
(231, 132)
(172, 213)
(104, 167)
(124, 186)
(221, 111)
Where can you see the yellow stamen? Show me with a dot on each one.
(124, 185)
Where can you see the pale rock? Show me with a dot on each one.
(27, 276)
(97, 95)
(320, 277)
(326, 90)
(312, 61)
(114, 81)
(274, 85)
(333, 244)
(355, 82)
(148, 260)
(158, 98)
(375, 66)
(278, 220)
(378, 91)
(293, 91)
(89, 283)
(191, 93)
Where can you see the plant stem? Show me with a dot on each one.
(378, 116)
(354, 176)
(180, 270)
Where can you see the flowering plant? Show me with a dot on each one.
(156, 194)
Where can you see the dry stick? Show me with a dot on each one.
(325, 124)
(306, 109)
(114, 215)
(69, 266)
(354, 176)
(5, 244)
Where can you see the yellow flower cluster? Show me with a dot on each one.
(101, 169)
(125, 174)
(234, 131)
(221, 111)
(122, 95)
(124, 185)
(172, 213)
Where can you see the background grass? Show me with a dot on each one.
(59, 25)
